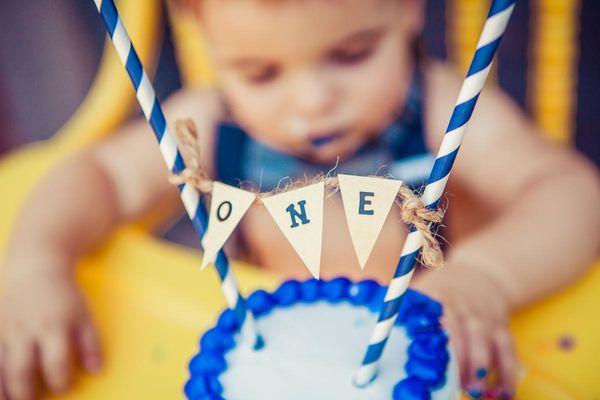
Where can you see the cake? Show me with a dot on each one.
(315, 333)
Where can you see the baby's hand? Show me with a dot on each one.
(44, 327)
(476, 316)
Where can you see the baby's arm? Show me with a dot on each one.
(544, 196)
(543, 234)
(68, 213)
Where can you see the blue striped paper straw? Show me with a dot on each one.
(168, 148)
(494, 28)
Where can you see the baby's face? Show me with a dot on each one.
(315, 78)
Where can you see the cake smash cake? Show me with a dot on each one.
(313, 334)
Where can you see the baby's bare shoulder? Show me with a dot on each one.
(205, 108)
(194, 103)
(441, 86)
(130, 157)
(441, 72)
(502, 150)
(135, 139)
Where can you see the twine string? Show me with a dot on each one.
(412, 209)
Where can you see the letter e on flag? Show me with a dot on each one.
(367, 202)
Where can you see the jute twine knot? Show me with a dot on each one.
(186, 135)
(412, 210)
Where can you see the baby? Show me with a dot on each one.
(301, 84)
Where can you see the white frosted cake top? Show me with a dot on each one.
(312, 352)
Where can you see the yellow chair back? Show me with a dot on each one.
(553, 58)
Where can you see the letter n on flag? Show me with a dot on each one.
(299, 215)
(367, 202)
(227, 207)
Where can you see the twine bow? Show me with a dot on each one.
(412, 210)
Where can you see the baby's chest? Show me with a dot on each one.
(271, 249)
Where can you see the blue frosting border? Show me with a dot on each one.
(427, 354)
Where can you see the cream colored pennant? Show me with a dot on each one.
(227, 207)
(299, 215)
(367, 202)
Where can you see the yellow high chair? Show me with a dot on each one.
(151, 302)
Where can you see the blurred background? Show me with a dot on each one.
(549, 62)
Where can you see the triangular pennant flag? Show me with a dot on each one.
(299, 215)
(367, 202)
(227, 207)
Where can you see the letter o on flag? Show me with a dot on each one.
(222, 214)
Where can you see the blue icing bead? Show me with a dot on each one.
(336, 289)
(214, 385)
(217, 339)
(210, 397)
(195, 387)
(227, 342)
(201, 386)
(228, 321)
(429, 346)
(408, 306)
(411, 388)
(415, 303)
(260, 342)
(260, 302)
(207, 363)
(213, 339)
(362, 292)
(404, 311)
(435, 308)
(416, 297)
(377, 300)
(439, 359)
(418, 323)
(422, 302)
(432, 373)
(410, 298)
(310, 290)
(288, 293)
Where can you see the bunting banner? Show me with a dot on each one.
(367, 203)
(299, 215)
(227, 207)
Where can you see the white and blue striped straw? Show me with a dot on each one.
(168, 147)
(494, 28)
